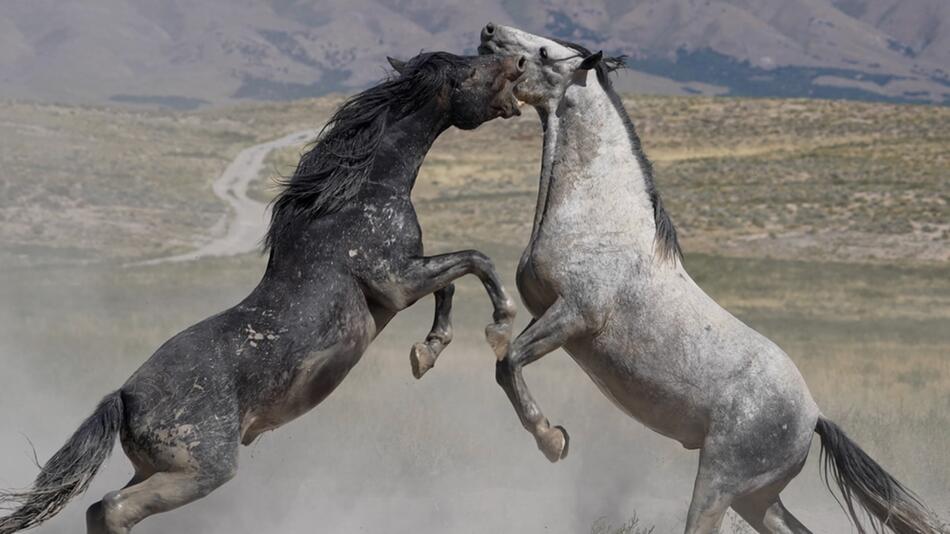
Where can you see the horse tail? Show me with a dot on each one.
(69, 472)
(859, 478)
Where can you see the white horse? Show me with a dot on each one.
(603, 277)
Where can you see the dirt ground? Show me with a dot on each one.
(446, 454)
(823, 225)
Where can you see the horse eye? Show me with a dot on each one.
(543, 52)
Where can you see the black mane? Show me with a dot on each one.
(666, 240)
(335, 167)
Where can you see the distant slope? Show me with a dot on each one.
(919, 28)
(190, 53)
(786, 178)
(768, 47)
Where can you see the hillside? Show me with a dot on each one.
(187, 54)
(815, 179)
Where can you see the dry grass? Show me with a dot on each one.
(822, 224)
(787, 179)
(784, 178)
(94, 183)
(631, 526)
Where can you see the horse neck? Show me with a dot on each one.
(589, 166)
(401, 150)
(404, 147)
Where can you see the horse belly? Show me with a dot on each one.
(313, 379)
(666, 411)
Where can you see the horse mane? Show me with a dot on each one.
(338, 162)
(666, 240)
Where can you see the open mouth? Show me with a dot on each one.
(508, 105)
(518, 102)
(511, 106)
(521, 103)
(521, 99)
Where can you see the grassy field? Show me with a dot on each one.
(97, 184)
(822, 224)
(841, 181)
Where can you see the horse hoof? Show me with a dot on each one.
(421, 358)
(554, 443)
(499, 337)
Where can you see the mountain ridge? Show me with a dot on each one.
(191, 53)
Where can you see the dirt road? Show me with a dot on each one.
(247, 222)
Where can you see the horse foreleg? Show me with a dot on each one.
(423, 355)
(422, 276)
(553, 329)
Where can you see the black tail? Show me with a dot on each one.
(68, 473)
(887, 502)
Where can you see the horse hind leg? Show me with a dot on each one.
(121, 510)
(762, 508)
(95, 514)
(768, 516)
(721, 484)
(708, 506)
(179, 471)
(714, 491)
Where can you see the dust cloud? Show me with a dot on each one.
(384, 453)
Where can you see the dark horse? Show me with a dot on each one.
(345, 257)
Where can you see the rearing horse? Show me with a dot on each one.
(603, 279)
(345, 257)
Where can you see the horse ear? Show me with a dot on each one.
(591, 61)
(397, 64)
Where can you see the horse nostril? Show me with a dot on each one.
(513, 69)
(488, 31)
